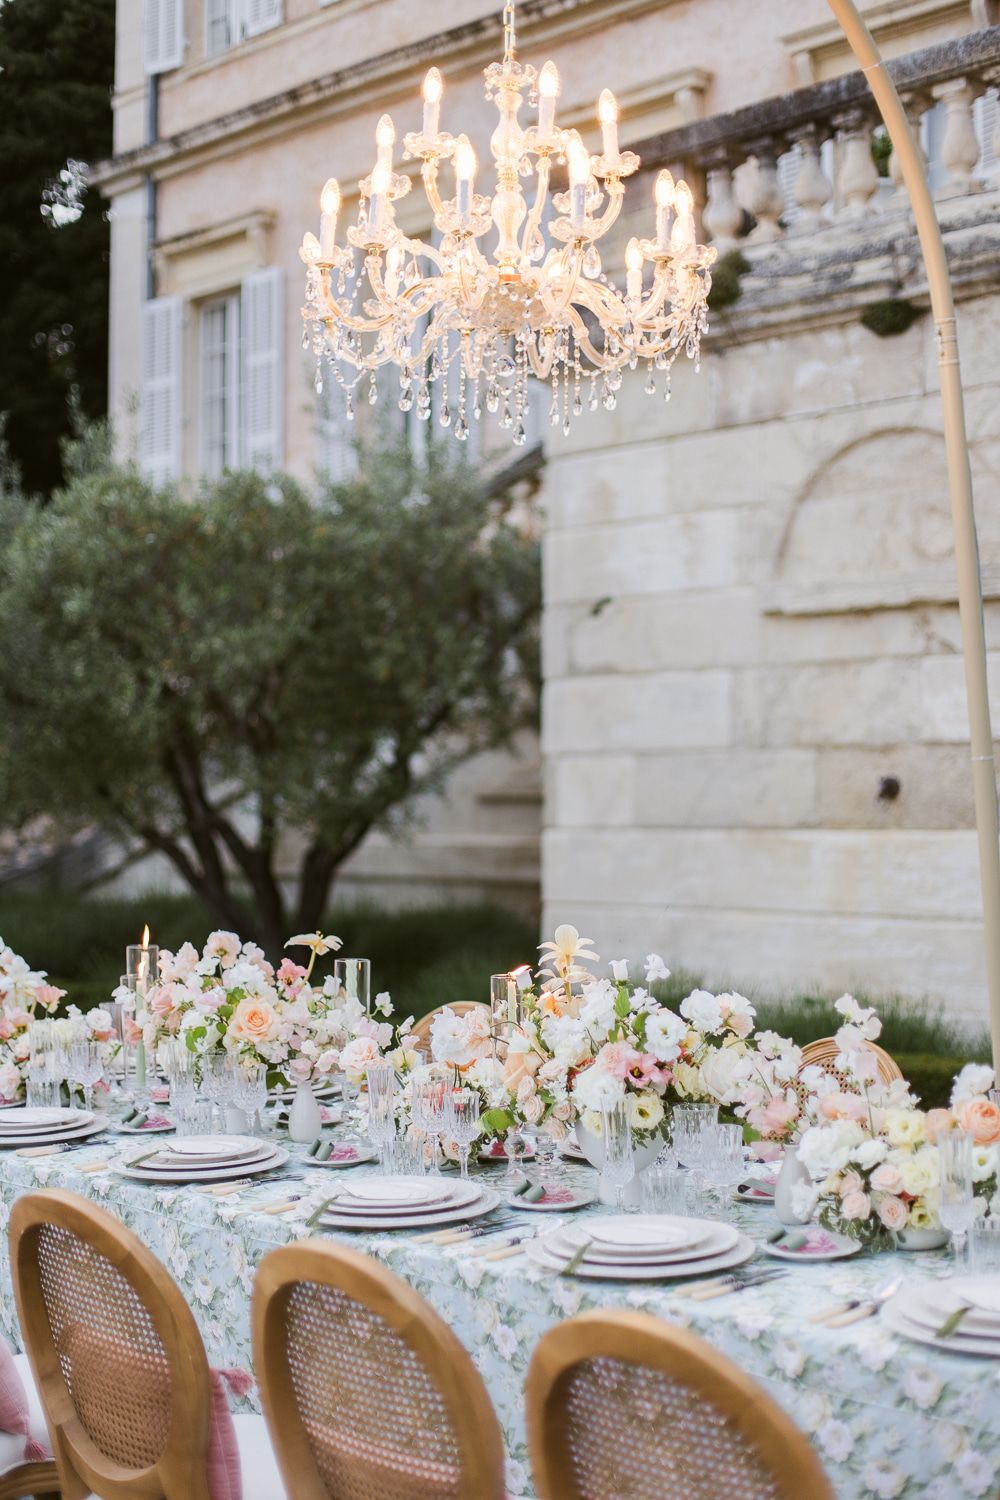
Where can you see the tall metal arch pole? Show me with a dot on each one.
(970, 588)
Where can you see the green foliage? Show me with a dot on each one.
(56, 72)
(210, 674)
(726, 275)
(931, 1075)
(425, 957)
(881, 150)
(889, 317)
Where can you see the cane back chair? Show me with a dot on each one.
(825, 1051)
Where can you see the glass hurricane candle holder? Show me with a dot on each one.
(354, 977)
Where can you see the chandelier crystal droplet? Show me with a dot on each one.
(479, 321)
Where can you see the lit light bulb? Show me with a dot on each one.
(329, 202)
(433, 89)
(683, 198)
(385, 138)
(682, 234)
(634, 259)
(607, 113)
(548, 93)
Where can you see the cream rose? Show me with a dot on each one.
(254, 1021)
(533, 1109)
(856, 1206)
(892, 1212)
(886, 1179)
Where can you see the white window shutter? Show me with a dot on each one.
(263, 384)
(260, 15)
(337, 459)
(984, 114)
(163, 27)
(160, 446)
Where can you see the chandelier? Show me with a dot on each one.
(479, 320)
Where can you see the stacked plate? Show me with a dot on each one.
(642, 1247)
(321, 1090)
(203, 1158)
(407, 1203)
(923, 1311)
(46, 1127)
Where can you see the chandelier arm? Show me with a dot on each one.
(420, 249)
(541, 367)
(538, 207)
(335, 314)
(615, 189)
(429, 173)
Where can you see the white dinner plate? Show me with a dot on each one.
(25, 1118)
(633, 1233)
(463, 1194)
(821, 1244)
(982, 1291)
(565, 1200)
(214, 1147)
(543, 1254)
(161, 1159)
(485, 1205)
(704, 1237)
(191, 1174)
(896, 1318)
(931, 1306)
(399, 1192)
(12, 1143)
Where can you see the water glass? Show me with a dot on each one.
(984, 1247)
(250, 1090)
(427, 1094)
(619, 1161)
(462, 1122)
(381, 1080)
(408, 1155)
(957, 1209)
(722, 1160)
(663, 1190)
(180, 1066)
(546, 1149)
(41, 1064)
(85, 1064)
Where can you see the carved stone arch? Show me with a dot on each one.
(871, 528)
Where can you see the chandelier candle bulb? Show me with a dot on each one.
(433, 89)
(385, 139)
(380, 186)
(329, 203)
(548, 93)
(633, 267)
(607, 113)
(664, 195)
(579, 176)
(682, 234)
(465, 171)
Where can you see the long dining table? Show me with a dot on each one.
(888, 1417)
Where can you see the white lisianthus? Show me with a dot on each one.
(595, 1089)
(645, 1110)
(725, 1073)
(597, 1011)
(664, 1034)
(870, 1153)
(702, 1010)
(655, 968)
(904, 1127)
(984, 1163)
(826, 1149)
(619, 970)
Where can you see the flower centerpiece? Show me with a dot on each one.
(25, 996)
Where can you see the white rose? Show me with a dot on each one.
(870, 1153)
(724, 1074)
(594, 1089)
(664, 1034)
(975, 1078)
(702, 1010)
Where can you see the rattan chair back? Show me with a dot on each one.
(367, 1393)
(622, 1406)
(421, 1030)
(825, 1051)
(119, 1363)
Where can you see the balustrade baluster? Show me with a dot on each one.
(766, 200)
(916, 104)
(813, 189)
(722, 216)
(857, 174)
(959, 144)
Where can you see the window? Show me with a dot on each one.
(219, 334)
(229, 22)
(163, 35)
(160, 435)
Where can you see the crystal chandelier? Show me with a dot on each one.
(477, 320)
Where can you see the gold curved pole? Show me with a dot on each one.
(970, 589)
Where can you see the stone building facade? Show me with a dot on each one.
(754, 727)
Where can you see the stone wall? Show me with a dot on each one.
(750, 624)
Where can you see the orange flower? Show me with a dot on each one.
(253, 1021)
(981, 1117)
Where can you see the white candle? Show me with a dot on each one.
(607, 113)
(385, 139)
(329, 202)
(380, 186)
(579, 176)
(664, 194)
(433, 89)
(465, 171)
(633, 265)
(548, 93)
(682, 234)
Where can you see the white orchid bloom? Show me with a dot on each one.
(317, 942)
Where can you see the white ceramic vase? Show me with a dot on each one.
(793, 1172)
(304, 1119)
(237, 1121)
(643, 1156)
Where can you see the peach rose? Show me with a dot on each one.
(981, 1117)
(856, 1206)
(518, 1066)
(886, 1179)
(254, 1020)
(533, 1109)
(892, 1212)
(937, 1122)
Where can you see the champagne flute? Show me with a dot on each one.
(958, 1208)
(462, 1122)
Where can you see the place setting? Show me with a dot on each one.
(400, 1202)
(641, 1247)
(191, 1159)
(47, 1126)
(961, 1314)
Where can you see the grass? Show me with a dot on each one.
(435, 956)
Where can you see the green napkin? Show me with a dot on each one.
(325, 1151)
(532, 1194)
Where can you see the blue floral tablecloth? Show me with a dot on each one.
(889, 1417)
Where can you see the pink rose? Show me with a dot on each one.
(563, 1112)
(937, 1122)
(359, 1055)
(856, 1206)
(981, 1117)
(892, 1212)
(533, 1109)
(850, 1183)
(886, 1179)
(526, 1090)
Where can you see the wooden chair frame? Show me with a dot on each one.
(180, 1472)
(459, 1383)
(640, 1339)
(824, 1051)
(41, 1480)
(421, 1030)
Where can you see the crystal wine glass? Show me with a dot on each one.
(250, 1088)
(180, 1066)
(381, 1079)
(86, 1067)
(619, 1161)
(462, 1122)
(957, 1209)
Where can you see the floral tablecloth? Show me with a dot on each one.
(889, 1417)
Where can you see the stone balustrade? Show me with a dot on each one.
(804, 163)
